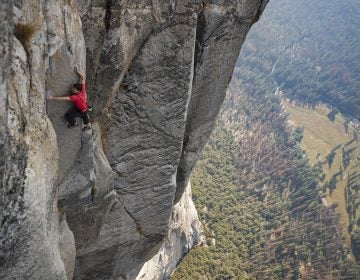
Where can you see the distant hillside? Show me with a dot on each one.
(310, 49)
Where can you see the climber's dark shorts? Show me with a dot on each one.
(75, 113)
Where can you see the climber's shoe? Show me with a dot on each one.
(72, 125)
(86, 128)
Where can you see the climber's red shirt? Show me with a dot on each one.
(79, 99)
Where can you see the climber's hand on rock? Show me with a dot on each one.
(48, 95)
(76, 69)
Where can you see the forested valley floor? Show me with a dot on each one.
(261, 202)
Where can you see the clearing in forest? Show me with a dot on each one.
(327, 142)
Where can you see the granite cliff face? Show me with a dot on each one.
(98, 204)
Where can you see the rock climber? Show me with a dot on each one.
(78, 98)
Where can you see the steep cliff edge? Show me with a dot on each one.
(156, 75)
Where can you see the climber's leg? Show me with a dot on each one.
(86, 120)
(85, 117)
(71, 115)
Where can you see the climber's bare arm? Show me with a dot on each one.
(66, 98)
(81, 76)
(81, 79)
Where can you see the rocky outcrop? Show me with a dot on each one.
(221, 30)
(87, 191)
(156, 75)
(184, 233)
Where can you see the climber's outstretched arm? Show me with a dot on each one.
(81, 76)
(66, 98)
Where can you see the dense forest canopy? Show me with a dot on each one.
(260, 202)
(310, 49)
